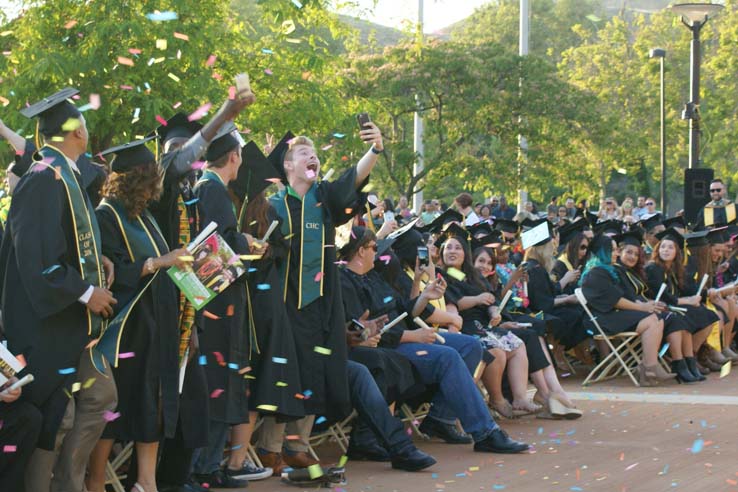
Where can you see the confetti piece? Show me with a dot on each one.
(173, 77)
(263, 286)
(109, 416)
(51, 269)
(233, 365)
(202, 360)
(268, 408)
(299, 6)
(293, 437)
(697, 446)
(70, 24)
(161, 44)
(177, 104)
(134, 51)
(664, 349)
(288, 27)
(199, 112)
(622, 457)
(161, 120)
(95, 101)
(219, 357)
(343, 460)
(125, 61)
(281, 384)
(386, 259)
(319, 276)
(9, 448)
(162, 16)
(268, 71)
(127, 355)
(251, 258)
(76, 387)
(6, 33)
(388, 299)
(245, 370)
(88, 384)
(421, 352)
(299, 396)
(231, 93)
(322, 350)
(267, 51)
(210, 61)
(181, 36)
(307, 393)
(186, 258)
(191, 202)
(68, 370)
(457, 274)
(315, 471)
(725, 370)
(216, 393)
(279, 360)
(498, 487)
(310, 173)
(339, 135)
(320, 420)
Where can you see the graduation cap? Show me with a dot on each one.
(507, 225)
(672, 235)
(609, 227)
(223, 142)
(696, 239)
(678, 222)
(732, 230)
(406, 241)
(276, 157)
(540, 232)
(650, 222)
(717, 235)
(491, 240)
(254, 173)
(634, 237)
(442, 220)
(454, 231)
(568, 231)
(131, 155)
(54, 113)
(383, 245)
(480, 229)
(586, 215)
(178, 126)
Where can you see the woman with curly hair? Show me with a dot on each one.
(147, 378)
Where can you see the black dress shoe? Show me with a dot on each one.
(448, 432)
(370, 452)
(499, 442)
(692, 366)
(412, 460)
(684, 375)
(221, 480)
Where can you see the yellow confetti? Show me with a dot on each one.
(725, 370)
(88, 383)
(343, 460)
(268, 408)
(6, 33)
(71, 124)
(161, 44)
(281, 384)
(76, 387)
(322, 350)
(173, 77)
(315, 471)
(288, 27)
(186, 258)
(250, 257)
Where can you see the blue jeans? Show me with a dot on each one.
(207, 460)
(373, 412)
(451, 366)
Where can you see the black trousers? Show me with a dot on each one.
(19, 430)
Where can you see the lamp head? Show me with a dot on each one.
(657, 53)
(693, 13)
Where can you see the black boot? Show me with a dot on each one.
(684, 375)
(692, 366)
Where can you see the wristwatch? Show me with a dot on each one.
(375, 151)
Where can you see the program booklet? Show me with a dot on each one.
(9, 364)
(213, 268)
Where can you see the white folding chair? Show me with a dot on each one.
(112, 468)
(620, 359)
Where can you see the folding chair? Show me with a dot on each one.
(615, 362)
(112, 468)
(413, 417)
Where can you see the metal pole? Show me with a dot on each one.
(522, 142)
(663, 143)
(418, 128)
(694, 96)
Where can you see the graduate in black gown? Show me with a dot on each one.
(54, 297)
(633, 282)
(615, 313)
(573, 248)
(147, 372)
(227, 326)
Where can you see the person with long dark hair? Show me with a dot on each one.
(568, 267)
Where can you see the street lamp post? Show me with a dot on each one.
(694, 16)
(660, 53)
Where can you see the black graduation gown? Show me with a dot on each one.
(564, 321)
(42, 316)
(225, 341)
(393, 373)
(148, 382)
(603, 292)
(321, 323)
(699, 317)
(557, 273)
(276, 359)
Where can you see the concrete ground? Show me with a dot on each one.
(670, 438)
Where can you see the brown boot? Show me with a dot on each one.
(298, 459)
(273, 461)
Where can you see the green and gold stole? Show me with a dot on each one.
(140, 243)
(312, 247)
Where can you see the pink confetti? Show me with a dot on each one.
(231, 93)
(197, 165)
(199, 112)
(319, 276)
(9, 448)
(125, 61)
(126, 87)
(109, 416)
(274, 180)
(70, 24)
(95, 101)
(161, 120)
(127, 355)
(268, 72)
(181, 36)
(134, 51)
(210, 61)
(386, 259)
(217, 76)
(216, 393)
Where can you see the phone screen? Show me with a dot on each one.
(423, 255)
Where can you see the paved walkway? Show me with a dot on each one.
(669, 438)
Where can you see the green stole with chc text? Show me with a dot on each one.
(86, 230)
(312, 249)
(140, 244)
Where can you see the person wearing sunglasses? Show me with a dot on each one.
(573, 249)
(718, 211)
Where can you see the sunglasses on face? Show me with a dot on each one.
(509, 240)
(650, 204)
(583, 247)
(715, 190)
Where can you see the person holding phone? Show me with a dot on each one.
(21, 425)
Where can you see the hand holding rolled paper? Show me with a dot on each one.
(422, 324)
(661, 291)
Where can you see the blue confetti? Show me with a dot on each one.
(238, 446)
(267, 51)
(576, 489)
(190, 202)
(498, 487)
(252, 270)
(697, 446)
(387, 299)
(461, 474)
(339, 135)
(233, 365)
(51, 269)
(162, 16)
(202, 360)
(68, 370)
(590, 333)
(320, 420)
(703, 423)
(434, 475)
(263, 286)
(664, 349)
(279, 360)
(540, 431)
(307, 393)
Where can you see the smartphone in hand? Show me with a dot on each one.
(423, 257)
(363, 119)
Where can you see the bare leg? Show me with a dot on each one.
(651, 330)
(95, 481)
(240, 439)
(517, 375)
(699, 338)
(492, 376)
(676, 345)
(687, 345)
(146, 453)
